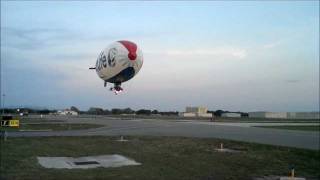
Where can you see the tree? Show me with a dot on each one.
(218, 113)
(143, 112)
(127, 111)
(116, 111)
(73, 108)
(155, 112)
(44, 111)
(106, 112)
(95, 110)
(170, 113)
(243, 114)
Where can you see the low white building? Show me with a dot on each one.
(68, 112)
(207, 115)
(196, 112)
(303, 115)
(230, 114)
(285, 115)
(186, 114)
(263, 114)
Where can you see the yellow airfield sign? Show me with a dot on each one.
(14, 123)
(10, 123)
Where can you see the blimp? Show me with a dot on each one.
(118, 63)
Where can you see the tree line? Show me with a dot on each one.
(91, 110)
(114, 111)
(118, 111)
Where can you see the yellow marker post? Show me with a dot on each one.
(14, 123)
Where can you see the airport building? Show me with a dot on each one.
(263, 114)
(232, 115)
(200, 110)
(303, 115)
(285, 115)
(67, 112)
(196, 112)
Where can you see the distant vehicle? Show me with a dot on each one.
(24, 114)
(119, 62)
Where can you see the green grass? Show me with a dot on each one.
(300, 128)
(39, 120)
(161, 157)
(53, 127)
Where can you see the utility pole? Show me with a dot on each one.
(3, 95)
(1, 76)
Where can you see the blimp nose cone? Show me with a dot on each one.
(132, 56)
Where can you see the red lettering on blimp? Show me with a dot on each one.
(132, 48)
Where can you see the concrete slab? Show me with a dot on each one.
(278, 178)
(267, 178)
(122, 139)
(86, 162)
(226, 150)
(292, 178)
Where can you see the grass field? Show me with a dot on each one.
(53, 127)
(161, 158)
(300, 128)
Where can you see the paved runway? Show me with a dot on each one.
(193, 128)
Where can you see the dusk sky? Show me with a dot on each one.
(236, 56)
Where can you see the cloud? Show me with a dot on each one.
(74, 56)
(76, 76)
(40, 38)
(271, 45)
(232, 52)
(30, 39)
(292, 81)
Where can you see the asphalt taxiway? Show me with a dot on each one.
(186, 128)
